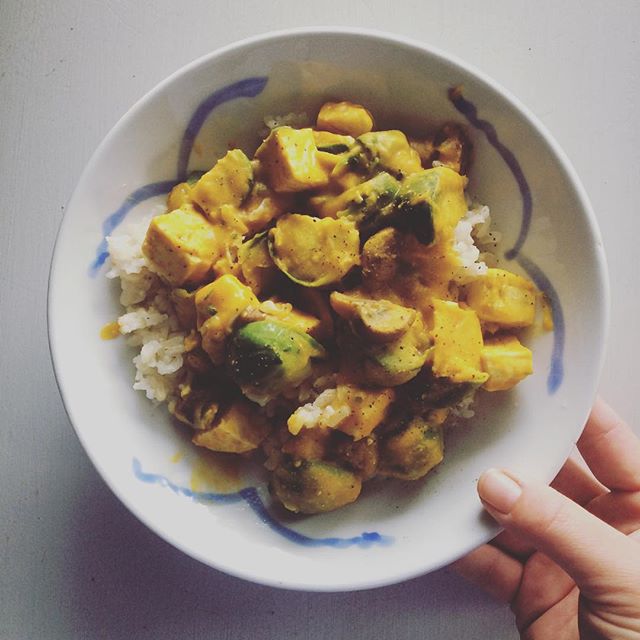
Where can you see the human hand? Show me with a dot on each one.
(568, 560)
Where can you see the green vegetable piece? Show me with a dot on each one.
(441, 191)
(314, 252)
(413, 452)
(258, 269)
(385, 202)
(334, 149)
(383, 151)
(415, 216)
(266, 357)
(333, 143)
(425, 183)
(371, 204)
(393, 363)
(314, 486)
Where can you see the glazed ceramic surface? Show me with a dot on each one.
(222, 514)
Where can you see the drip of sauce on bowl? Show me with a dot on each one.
(110, 331)
(177, 456)
(220, 472)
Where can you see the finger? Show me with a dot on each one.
(513, 544)
(585, 547)
(576, 481)
(560, 623)
(611, 449)
(619, 509)
(491, 570)
(543, 585)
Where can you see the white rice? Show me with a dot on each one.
(311, 388)
(464, 408)
(129, 264)
(324, 411)
(148, 322)
(477, 220)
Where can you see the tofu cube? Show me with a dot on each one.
(224, 299)
(240, 429)
(181, 246)
(345, 118)
(228, 182)
(369, 407)
(506, 361)
(179, 196)
(218, 306)
(503, 298)
(457, 343)
(290, 160)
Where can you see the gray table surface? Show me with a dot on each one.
(74, 563)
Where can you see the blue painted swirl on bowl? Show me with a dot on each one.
(470, 112)
(251, 497)
(556, 370)
(133, 200)
(247, 88)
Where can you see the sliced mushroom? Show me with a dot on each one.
(376, 320)
(381, 257)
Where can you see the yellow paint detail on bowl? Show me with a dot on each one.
(177, 456)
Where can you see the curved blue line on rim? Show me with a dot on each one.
(556, 371)
(247, 88)
(133, 199)
(470, 112)
(154, 478)
(251, 496)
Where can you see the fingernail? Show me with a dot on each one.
(498, 490)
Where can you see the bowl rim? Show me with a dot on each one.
(372, 35)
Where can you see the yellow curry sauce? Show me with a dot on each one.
(110, 331)
(331, 322)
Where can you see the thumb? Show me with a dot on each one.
(587, 548)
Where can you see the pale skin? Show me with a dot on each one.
(568, 561)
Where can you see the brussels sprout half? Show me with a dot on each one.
(266, 357)
(314, 252)
(412, 452)
(314, 486)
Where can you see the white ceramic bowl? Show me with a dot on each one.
(395, 531)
